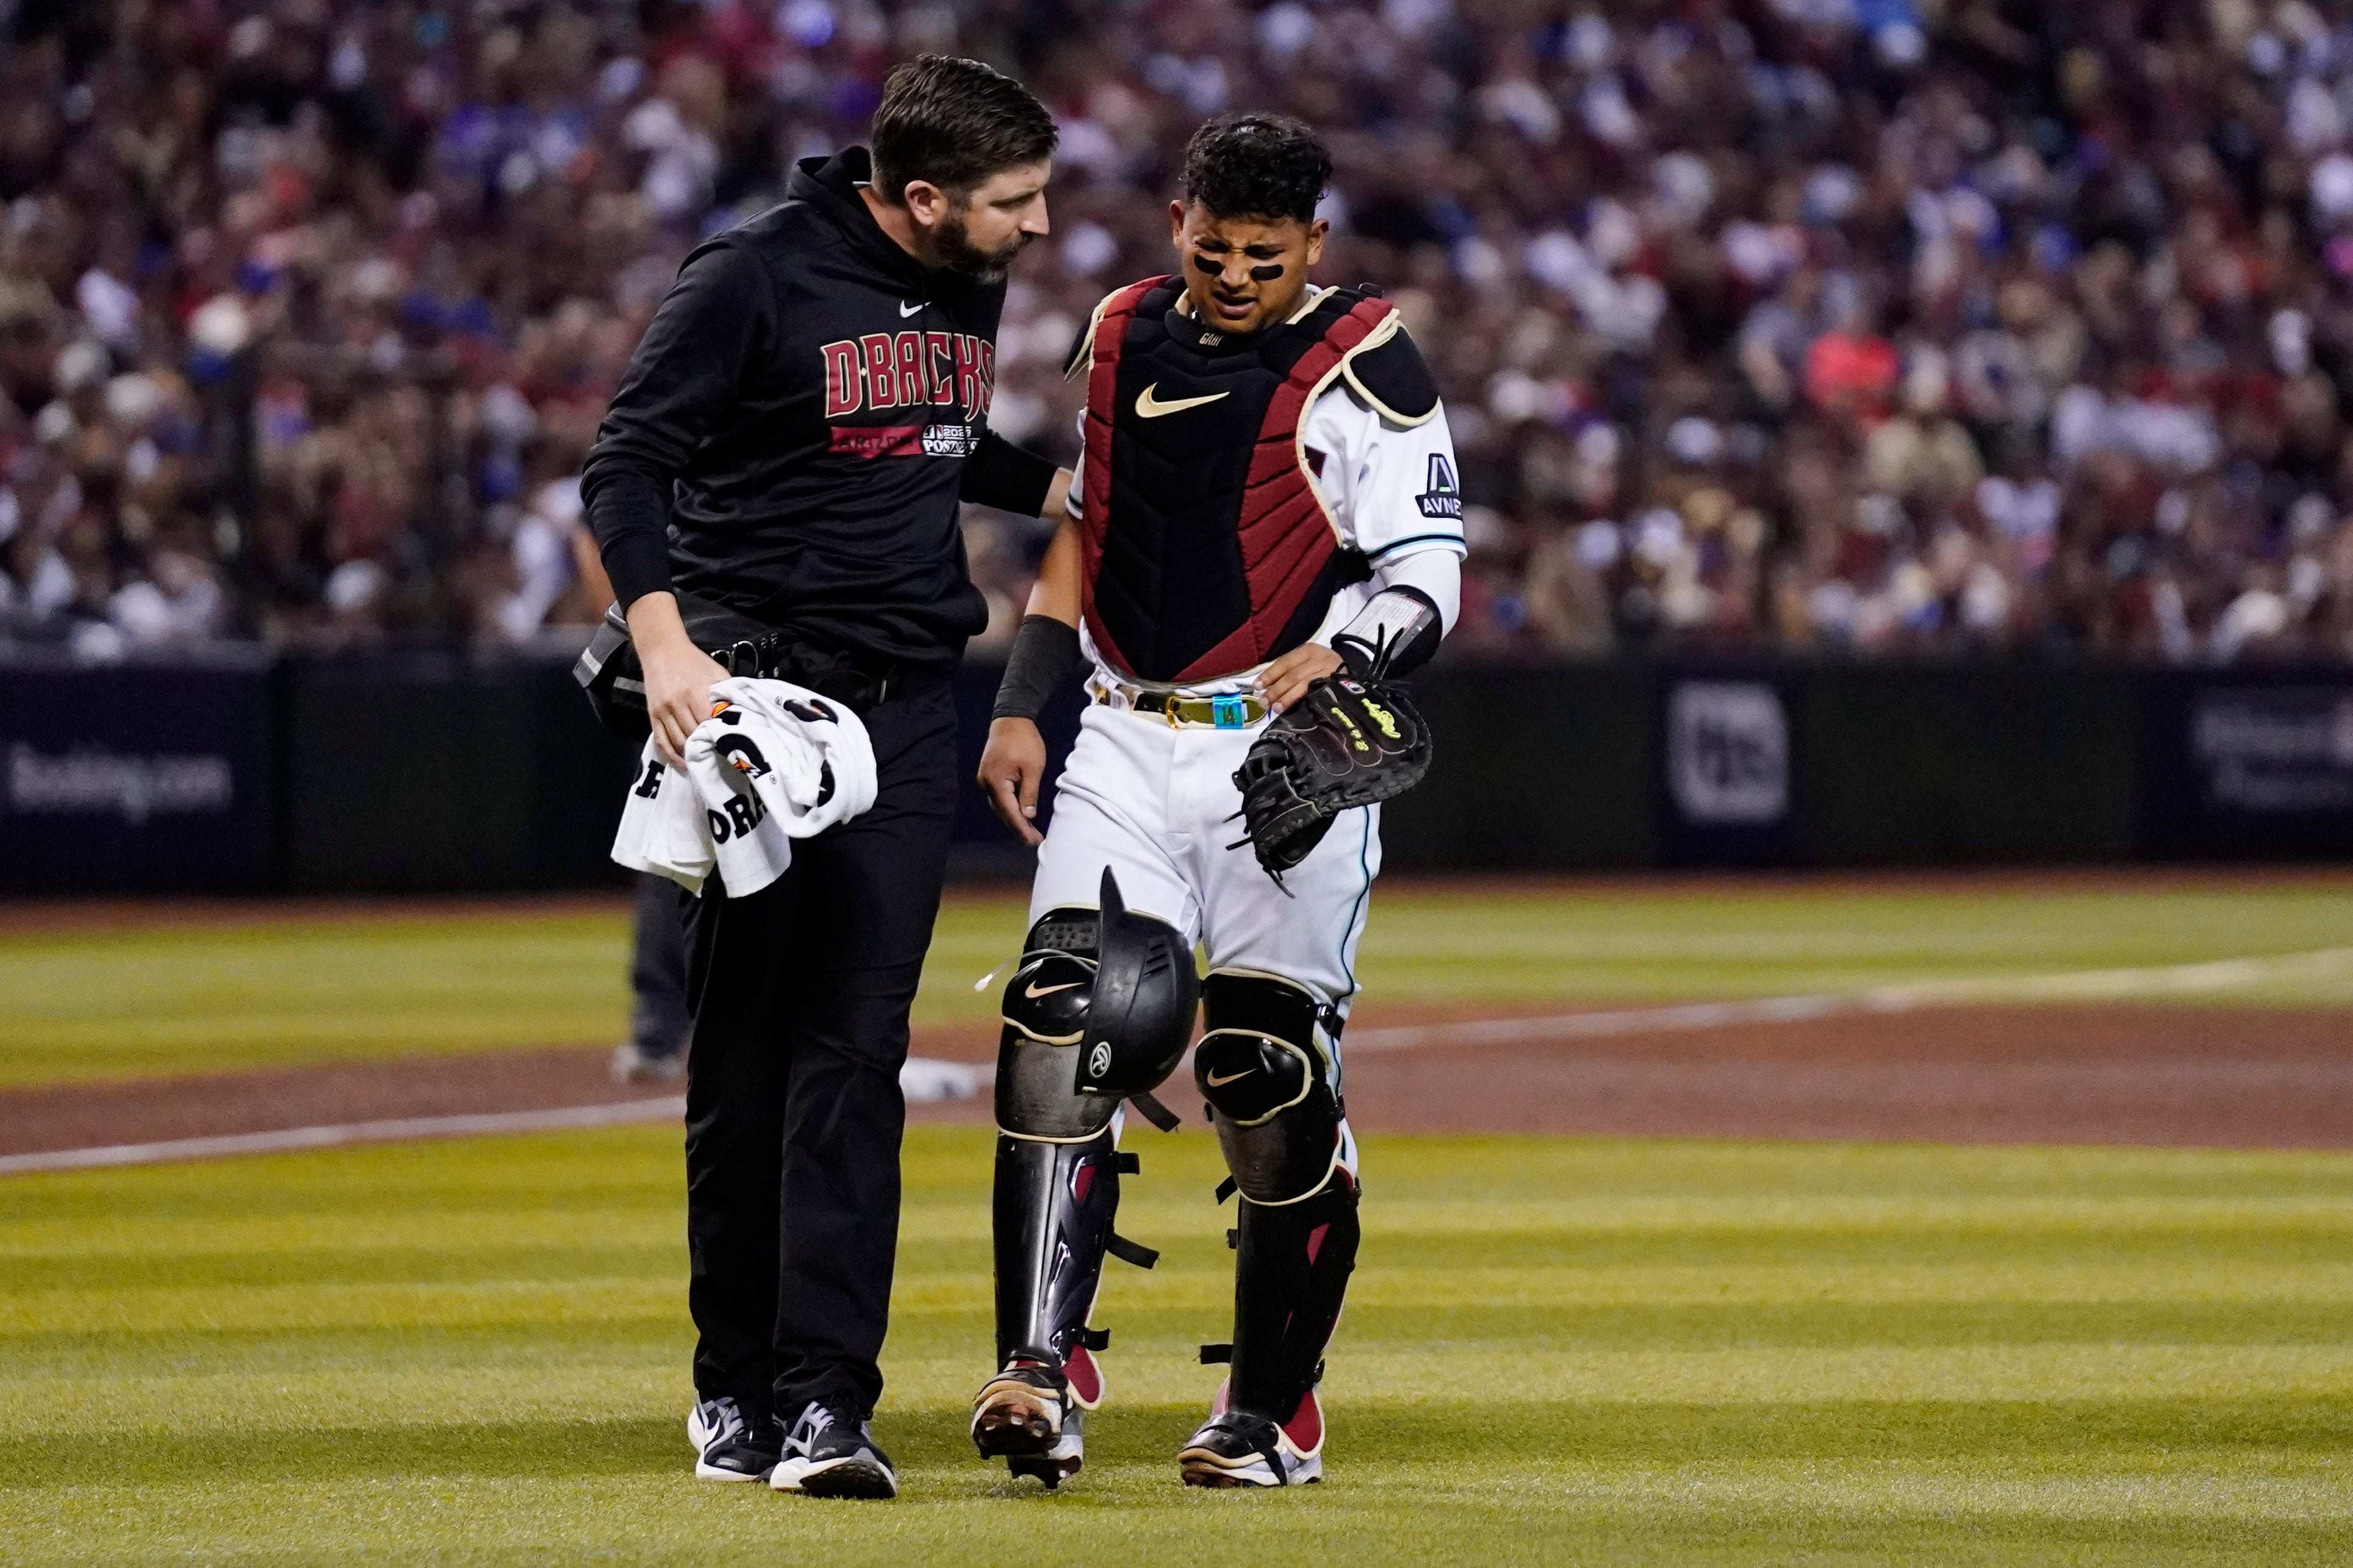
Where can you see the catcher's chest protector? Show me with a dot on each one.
(1206, 549)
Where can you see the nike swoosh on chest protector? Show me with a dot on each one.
(1150, 407)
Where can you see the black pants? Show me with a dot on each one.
(793, 1110)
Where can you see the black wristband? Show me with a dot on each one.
(1045, 657)
(1008, 477)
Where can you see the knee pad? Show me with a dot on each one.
(1269, 1082)
(1044, 1013)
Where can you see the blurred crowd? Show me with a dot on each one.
(1885, 327)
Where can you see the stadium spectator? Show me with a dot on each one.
(1880, 329)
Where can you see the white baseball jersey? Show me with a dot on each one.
(1157, 804)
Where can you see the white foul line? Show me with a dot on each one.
(927, 1079)
(923, 1079)
(286, 1139)
(2078, 985)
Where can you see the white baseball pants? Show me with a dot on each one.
(1151, 802)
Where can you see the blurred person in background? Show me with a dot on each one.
(659, 1023)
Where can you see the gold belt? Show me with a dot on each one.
(1237, 710)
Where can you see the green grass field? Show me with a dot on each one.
(126, 1003)
(1558, 1351)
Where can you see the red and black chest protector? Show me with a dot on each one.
(1205, 549)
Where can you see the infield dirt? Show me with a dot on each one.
(2205, 1076)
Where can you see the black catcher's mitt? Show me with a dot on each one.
(1348, 742)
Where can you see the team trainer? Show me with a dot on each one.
(784, 458)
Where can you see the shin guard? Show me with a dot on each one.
(1054, 1208)
(1266, 1067)
(1290, 1277)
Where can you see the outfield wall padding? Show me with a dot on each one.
(441, 771)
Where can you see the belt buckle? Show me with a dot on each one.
(1230, 712)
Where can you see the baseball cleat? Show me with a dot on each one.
(1034, 1416)
(1240, 1448)
(828, 1454)
(726, 1446)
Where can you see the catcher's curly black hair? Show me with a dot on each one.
(1257, 165)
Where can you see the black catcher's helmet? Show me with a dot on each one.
(1140, 1016)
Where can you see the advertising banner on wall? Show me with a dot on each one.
(133, 777)
(2276, 750)
(1729, 762)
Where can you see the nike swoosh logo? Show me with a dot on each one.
(1032, 992)
(1150, 407)
(906, 310)
(1214, 1081)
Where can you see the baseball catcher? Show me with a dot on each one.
(1264, 534)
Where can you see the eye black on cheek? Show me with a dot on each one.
(1210, 265)
(1267, 274)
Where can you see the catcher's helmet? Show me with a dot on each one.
(1140, 1015)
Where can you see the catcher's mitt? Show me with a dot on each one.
(1348, 742)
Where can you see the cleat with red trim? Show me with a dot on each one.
(1034, 1414)
(1242, 1448)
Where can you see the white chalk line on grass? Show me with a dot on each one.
(926, 1078)
(2076, 985)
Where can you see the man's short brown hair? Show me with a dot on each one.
(954, 122)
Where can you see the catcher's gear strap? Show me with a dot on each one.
(1151, 1111)
(1393, 635)
(1263, 1068)
(1133, 1253)
(1045, 659)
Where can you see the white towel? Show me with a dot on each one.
(774, 763)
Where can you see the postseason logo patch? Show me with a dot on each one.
(1442, 497)
(905, 440)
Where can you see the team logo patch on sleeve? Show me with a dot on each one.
(1442, 497)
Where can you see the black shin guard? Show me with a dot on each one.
(1054, 1207)
(1290, 1279)
(1269, 1079)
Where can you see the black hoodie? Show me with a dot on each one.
(801, 418)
